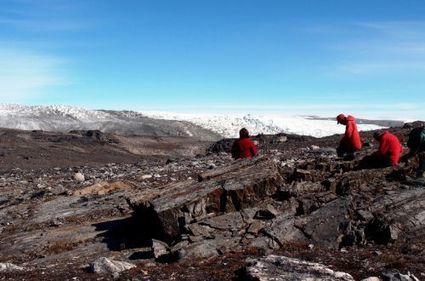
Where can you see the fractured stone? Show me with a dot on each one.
(170, 208)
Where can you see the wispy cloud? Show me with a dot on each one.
(369, 48)
(43, 25)
(25, 74)
(42, 15)
(381, 67)
(396, 29)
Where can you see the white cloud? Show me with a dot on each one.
(25, 74)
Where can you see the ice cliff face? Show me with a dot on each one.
(229, 125)
(205, 127)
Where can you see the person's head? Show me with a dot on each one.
(243, 133)
(341, 119)
(377, 135)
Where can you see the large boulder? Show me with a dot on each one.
(167, 210)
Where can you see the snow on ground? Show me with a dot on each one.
(229, 125)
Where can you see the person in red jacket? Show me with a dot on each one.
(389, 150)
(351, 142)
(243, 147)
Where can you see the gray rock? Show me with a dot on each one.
(280, 268)
(3, 200)
(255, 227)
(200, 230)
(160, 249)
(10, 267)
(365, 215)
(396, 276)
(106, 266)
(323, 225)
(267, 213)
(79, 177)
(229, 221)
(282, 139)
(265, 243)
(283, 230)
(203, 249)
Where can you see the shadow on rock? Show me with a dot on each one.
(123, 234)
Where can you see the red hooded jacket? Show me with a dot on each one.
(390, 148)
(351, 140)
(243, 148)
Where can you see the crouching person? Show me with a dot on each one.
(244, 147)
(351, 142)
(389, 150)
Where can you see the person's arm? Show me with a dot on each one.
(349, 130)
(383, 147)
(254, 149)
(405, 158)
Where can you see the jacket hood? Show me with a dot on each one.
(351, 118)
(378, 135)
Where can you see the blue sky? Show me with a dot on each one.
(291, 57)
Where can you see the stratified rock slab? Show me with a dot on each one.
(401, 212)
(168, 209)
(323, 225)
(280, 268)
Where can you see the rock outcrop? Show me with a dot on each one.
(172, 208)
(265, 203)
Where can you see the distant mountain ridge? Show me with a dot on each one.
(67, 118)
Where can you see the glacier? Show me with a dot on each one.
(204, 126)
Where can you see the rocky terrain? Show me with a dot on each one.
(92, 206)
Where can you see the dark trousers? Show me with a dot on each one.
(345, 153)
(421, 167)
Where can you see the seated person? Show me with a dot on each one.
(243, 147)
